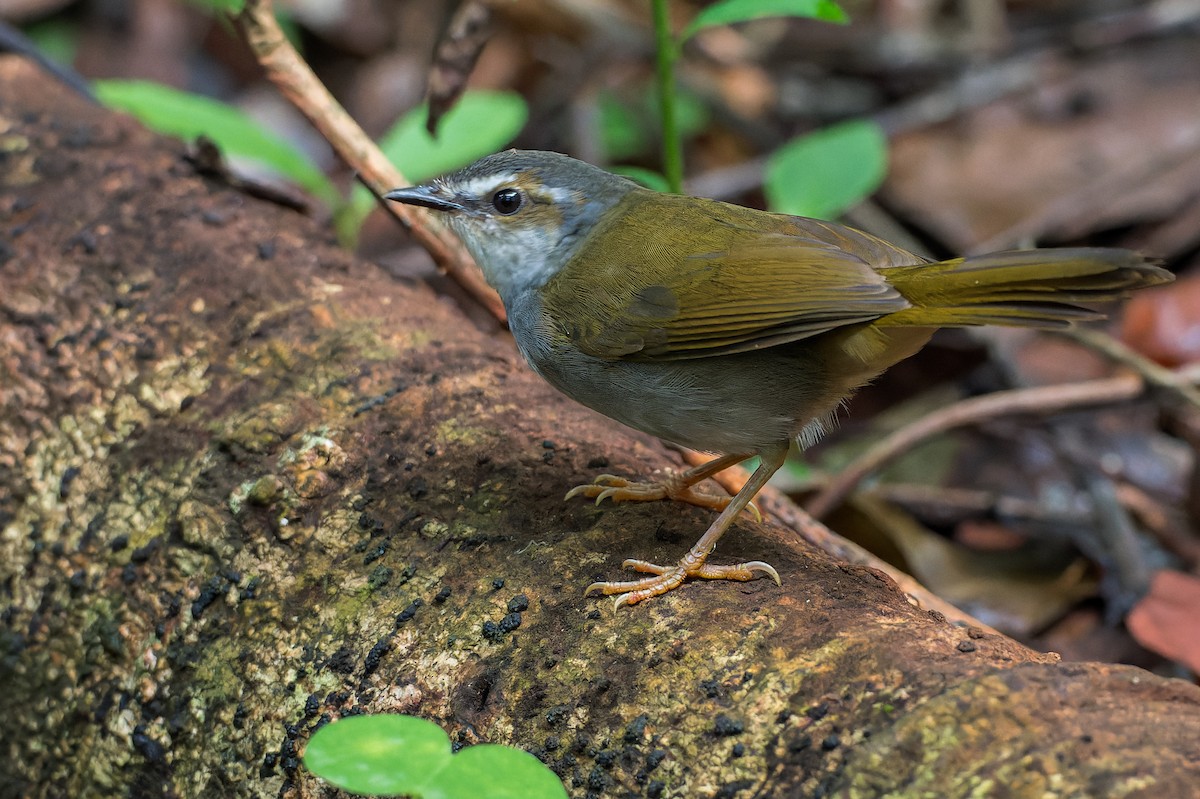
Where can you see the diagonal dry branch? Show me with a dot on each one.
(1039, 400)
(288, 71)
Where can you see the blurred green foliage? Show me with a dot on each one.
(480, 123)
(187, 115)
(727, 12)
(647, 177)
(216, 7)
(629, 124)
(56, 37)
(820, 174)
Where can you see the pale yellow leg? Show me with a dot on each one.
(693, 564)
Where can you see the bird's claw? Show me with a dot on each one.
(598, 487)
(606, 494)
(620, 489)
(763, 567)
(668, 578)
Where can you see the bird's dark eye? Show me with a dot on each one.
(507, 201)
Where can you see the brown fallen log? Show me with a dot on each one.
(249, 484)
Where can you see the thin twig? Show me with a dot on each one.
(1175, 384)
(871, 217)
(965, 92)
(1161, 521)
(727, 182)
(1041, 400)
(1093, 198)
(946, 504)
(957, 96)
(295, 80)
(13, 40)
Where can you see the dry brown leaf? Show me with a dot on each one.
(1020, 590)
(455, 57)
(1167, 619)
(1164, 323)
(1113, 142)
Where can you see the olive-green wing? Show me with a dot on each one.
(763, 290)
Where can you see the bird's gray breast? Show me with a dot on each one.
(699, 403)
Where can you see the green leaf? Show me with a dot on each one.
(623, 131)
(187, 116)
(730, 11)
(230, 7)
(56, 38)
(629, 125)
(496, 772)
(479, 123)
(647, 177)
(390, 755)
(824, 173)
(798, 470)
(691, 113)
(385, 754)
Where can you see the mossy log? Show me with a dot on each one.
(249, 484)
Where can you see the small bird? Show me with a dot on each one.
(722, 328)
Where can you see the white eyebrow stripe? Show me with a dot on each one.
(486, 185)
(558, 194)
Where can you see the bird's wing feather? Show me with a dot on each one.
(731, 288)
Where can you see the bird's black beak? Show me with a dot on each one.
(425, 196)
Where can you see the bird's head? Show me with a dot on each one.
(521, 213)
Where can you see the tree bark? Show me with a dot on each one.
(249, 484)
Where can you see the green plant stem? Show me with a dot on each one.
(667, 51)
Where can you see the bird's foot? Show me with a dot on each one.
(676, 487)
(668, 578)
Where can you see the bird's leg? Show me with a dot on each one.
(694, 563)
(676, 486)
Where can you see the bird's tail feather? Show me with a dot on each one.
(1023, 288)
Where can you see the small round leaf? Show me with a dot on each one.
(380, 755)
(496, 772)
(824, 173)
